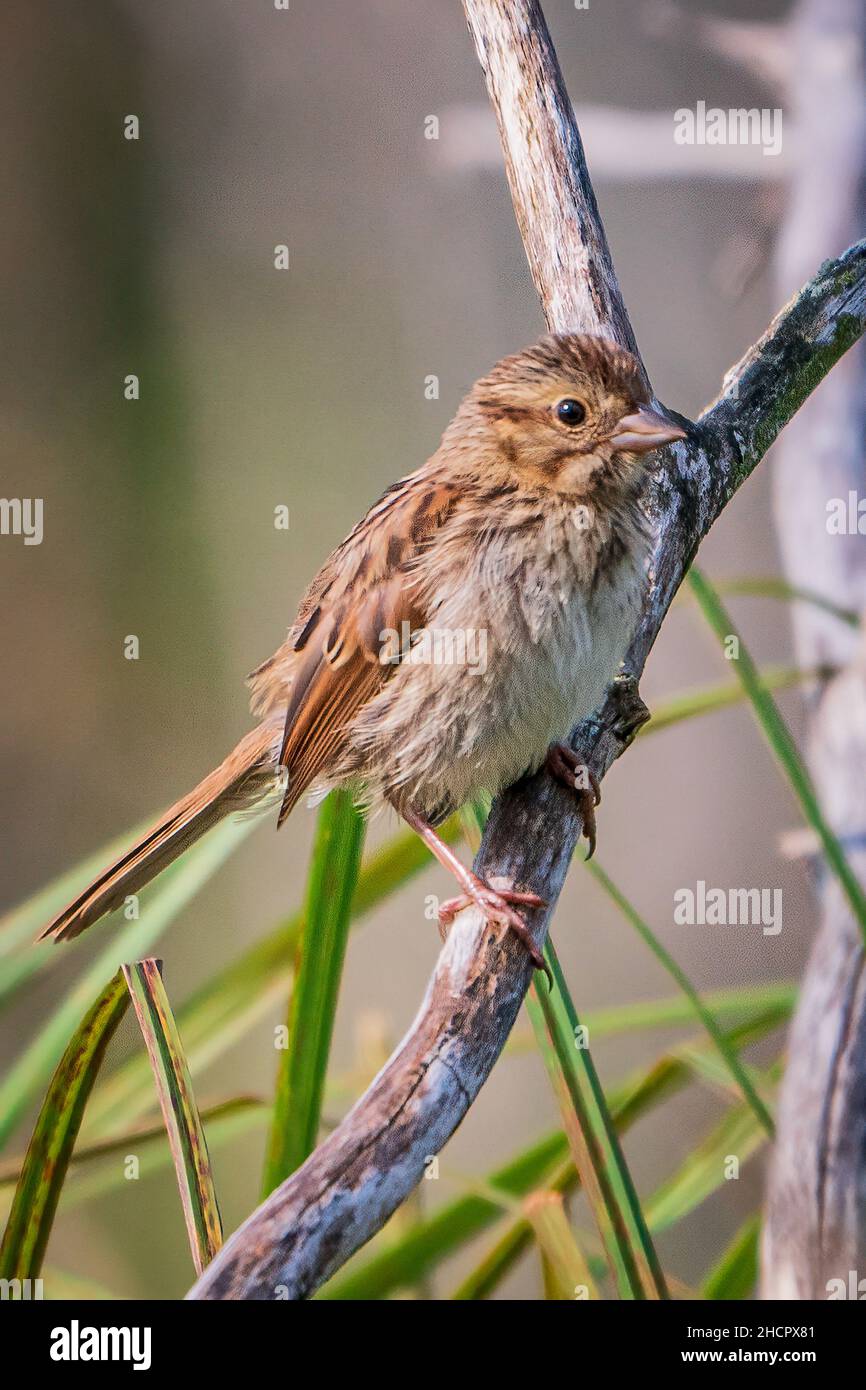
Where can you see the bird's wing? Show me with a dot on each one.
(331, 663)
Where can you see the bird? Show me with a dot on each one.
(448, 646)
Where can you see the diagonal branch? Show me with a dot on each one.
(349, 1187)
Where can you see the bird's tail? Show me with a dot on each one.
(244, 778)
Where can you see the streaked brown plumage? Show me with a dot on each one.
(524, 527)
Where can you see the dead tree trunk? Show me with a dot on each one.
(815, 1228)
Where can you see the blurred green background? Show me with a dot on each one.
(305, 388)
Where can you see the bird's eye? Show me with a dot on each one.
(571, 412)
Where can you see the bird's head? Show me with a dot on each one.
(571, 414)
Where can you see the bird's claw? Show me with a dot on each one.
(588, 801)
(567, 767)
(497, 906)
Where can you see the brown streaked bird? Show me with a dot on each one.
(452, 641)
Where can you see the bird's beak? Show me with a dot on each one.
(646, 429)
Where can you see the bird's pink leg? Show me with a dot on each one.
(495, 904)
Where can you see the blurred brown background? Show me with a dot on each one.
(306, 388)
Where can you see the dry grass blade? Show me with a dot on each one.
(179, 1111)
(593, 1139)
(566, 1269)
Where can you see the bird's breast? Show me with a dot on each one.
(519, 645)
(548, 627)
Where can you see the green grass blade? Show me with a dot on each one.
(179, 1111)
(47, 1159)
(771, 587)
(20, 924)
(395, 864)
(89, 1179)
(730, 1004)
(715, 1073)
(334, 869)
(737, 1134)
(628, 1102)
(20, 955)
(735, 1274)
(16, 970)
(566, 1269)
(85, 1157)
(709, 698)
(507, 1249)
(781, 744)
(402, 1263)
(180, 882)
(597, 1153)
(727, 1006)
(405, 1262)
(231, 1002)
(738, 1072)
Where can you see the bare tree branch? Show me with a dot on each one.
(553, 198)
(352, 1183)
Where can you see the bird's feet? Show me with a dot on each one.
(497, 906)
(568, 768)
